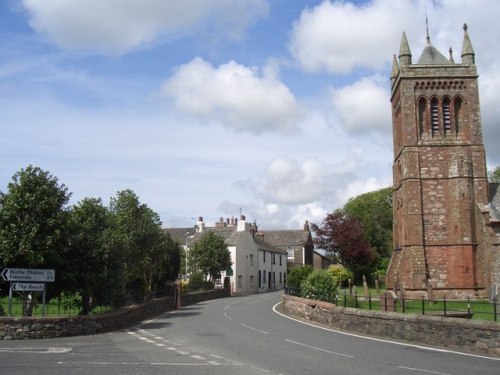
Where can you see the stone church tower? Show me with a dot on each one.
(439, 171)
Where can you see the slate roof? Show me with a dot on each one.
(494, 201)
(431, 56)
(285, 238)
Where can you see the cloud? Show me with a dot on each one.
(363, 106)
(339, 36)
(118, 26)
(236, 96)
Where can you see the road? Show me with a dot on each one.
(239, 335)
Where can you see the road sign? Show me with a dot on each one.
(27, 274)
(28, 287)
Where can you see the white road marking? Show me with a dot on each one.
(159, 344)
(172, 348)
(227, 316)
(254, 329)
(36, 350)
(196, 356)
(183, 353)
(226, 308)
(422, 370)
(320, 349)
(144, 364)
(383, 340)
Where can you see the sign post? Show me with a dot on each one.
(28, 280)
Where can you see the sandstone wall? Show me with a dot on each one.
(469, 335)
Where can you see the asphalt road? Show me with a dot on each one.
(240, 335)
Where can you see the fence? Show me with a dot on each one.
(71, 304)
(475, 309)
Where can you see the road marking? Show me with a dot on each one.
(227, 316)
(172, 348)
(383, 340)
(320, 349)
(422, 370)
(36, 350)
(255, 329)
(145, 364)
(226, 308)
(196, 356)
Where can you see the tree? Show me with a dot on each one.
(33, 216)
(494, 175)
(210, 255)
(341, 235)
(145, 246)
(374, 211)
(32, 219)
(88, 265)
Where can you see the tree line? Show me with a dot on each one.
(102, 253)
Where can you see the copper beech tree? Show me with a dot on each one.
(341, 236)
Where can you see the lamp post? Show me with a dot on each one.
(186, 236)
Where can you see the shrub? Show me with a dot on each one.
(320, 285)
(341, 274)
(198, 281)
(298, 274)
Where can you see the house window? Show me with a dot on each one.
(274, 277)
(280, 278)
(290, 254)
(240, 281)
(264, 277)
(280, 261)
(264, 256)
(273, 258)
(260, 284)
(251, 259)
(251, 281)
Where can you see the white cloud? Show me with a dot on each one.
(363, 106)
(233, 95)
(339, 36)
(118, 26)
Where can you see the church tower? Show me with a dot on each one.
(439, 173)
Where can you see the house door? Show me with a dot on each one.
(260, 280)
(270, 281)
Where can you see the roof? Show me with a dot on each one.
(494, 201)
(287, 237)
(431, 56)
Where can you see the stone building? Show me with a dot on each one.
(446, 222)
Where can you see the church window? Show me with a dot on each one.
(446, 116)
(434, 116)
(422, 107)
(458, 115)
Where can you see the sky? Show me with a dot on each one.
(277, 109)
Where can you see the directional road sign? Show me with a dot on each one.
(27, 274)
(28, 287)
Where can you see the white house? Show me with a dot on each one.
(257, 266)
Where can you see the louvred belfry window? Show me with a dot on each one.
(446, 116)
(434, 116)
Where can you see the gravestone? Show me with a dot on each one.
(388, 301)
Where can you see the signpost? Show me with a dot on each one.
(28, 287)
(26, 274)
(27, 280)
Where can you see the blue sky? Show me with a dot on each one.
(279, 108)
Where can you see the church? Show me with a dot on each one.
(446, 214)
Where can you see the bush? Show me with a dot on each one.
(320, 285)
(341, 274)
(298, 274)
(198, 281)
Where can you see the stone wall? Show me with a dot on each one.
(50, 327)
(455, 333)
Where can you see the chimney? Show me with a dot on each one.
(200, 225)
(242, 225)
(259, 235)
(221, 223)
